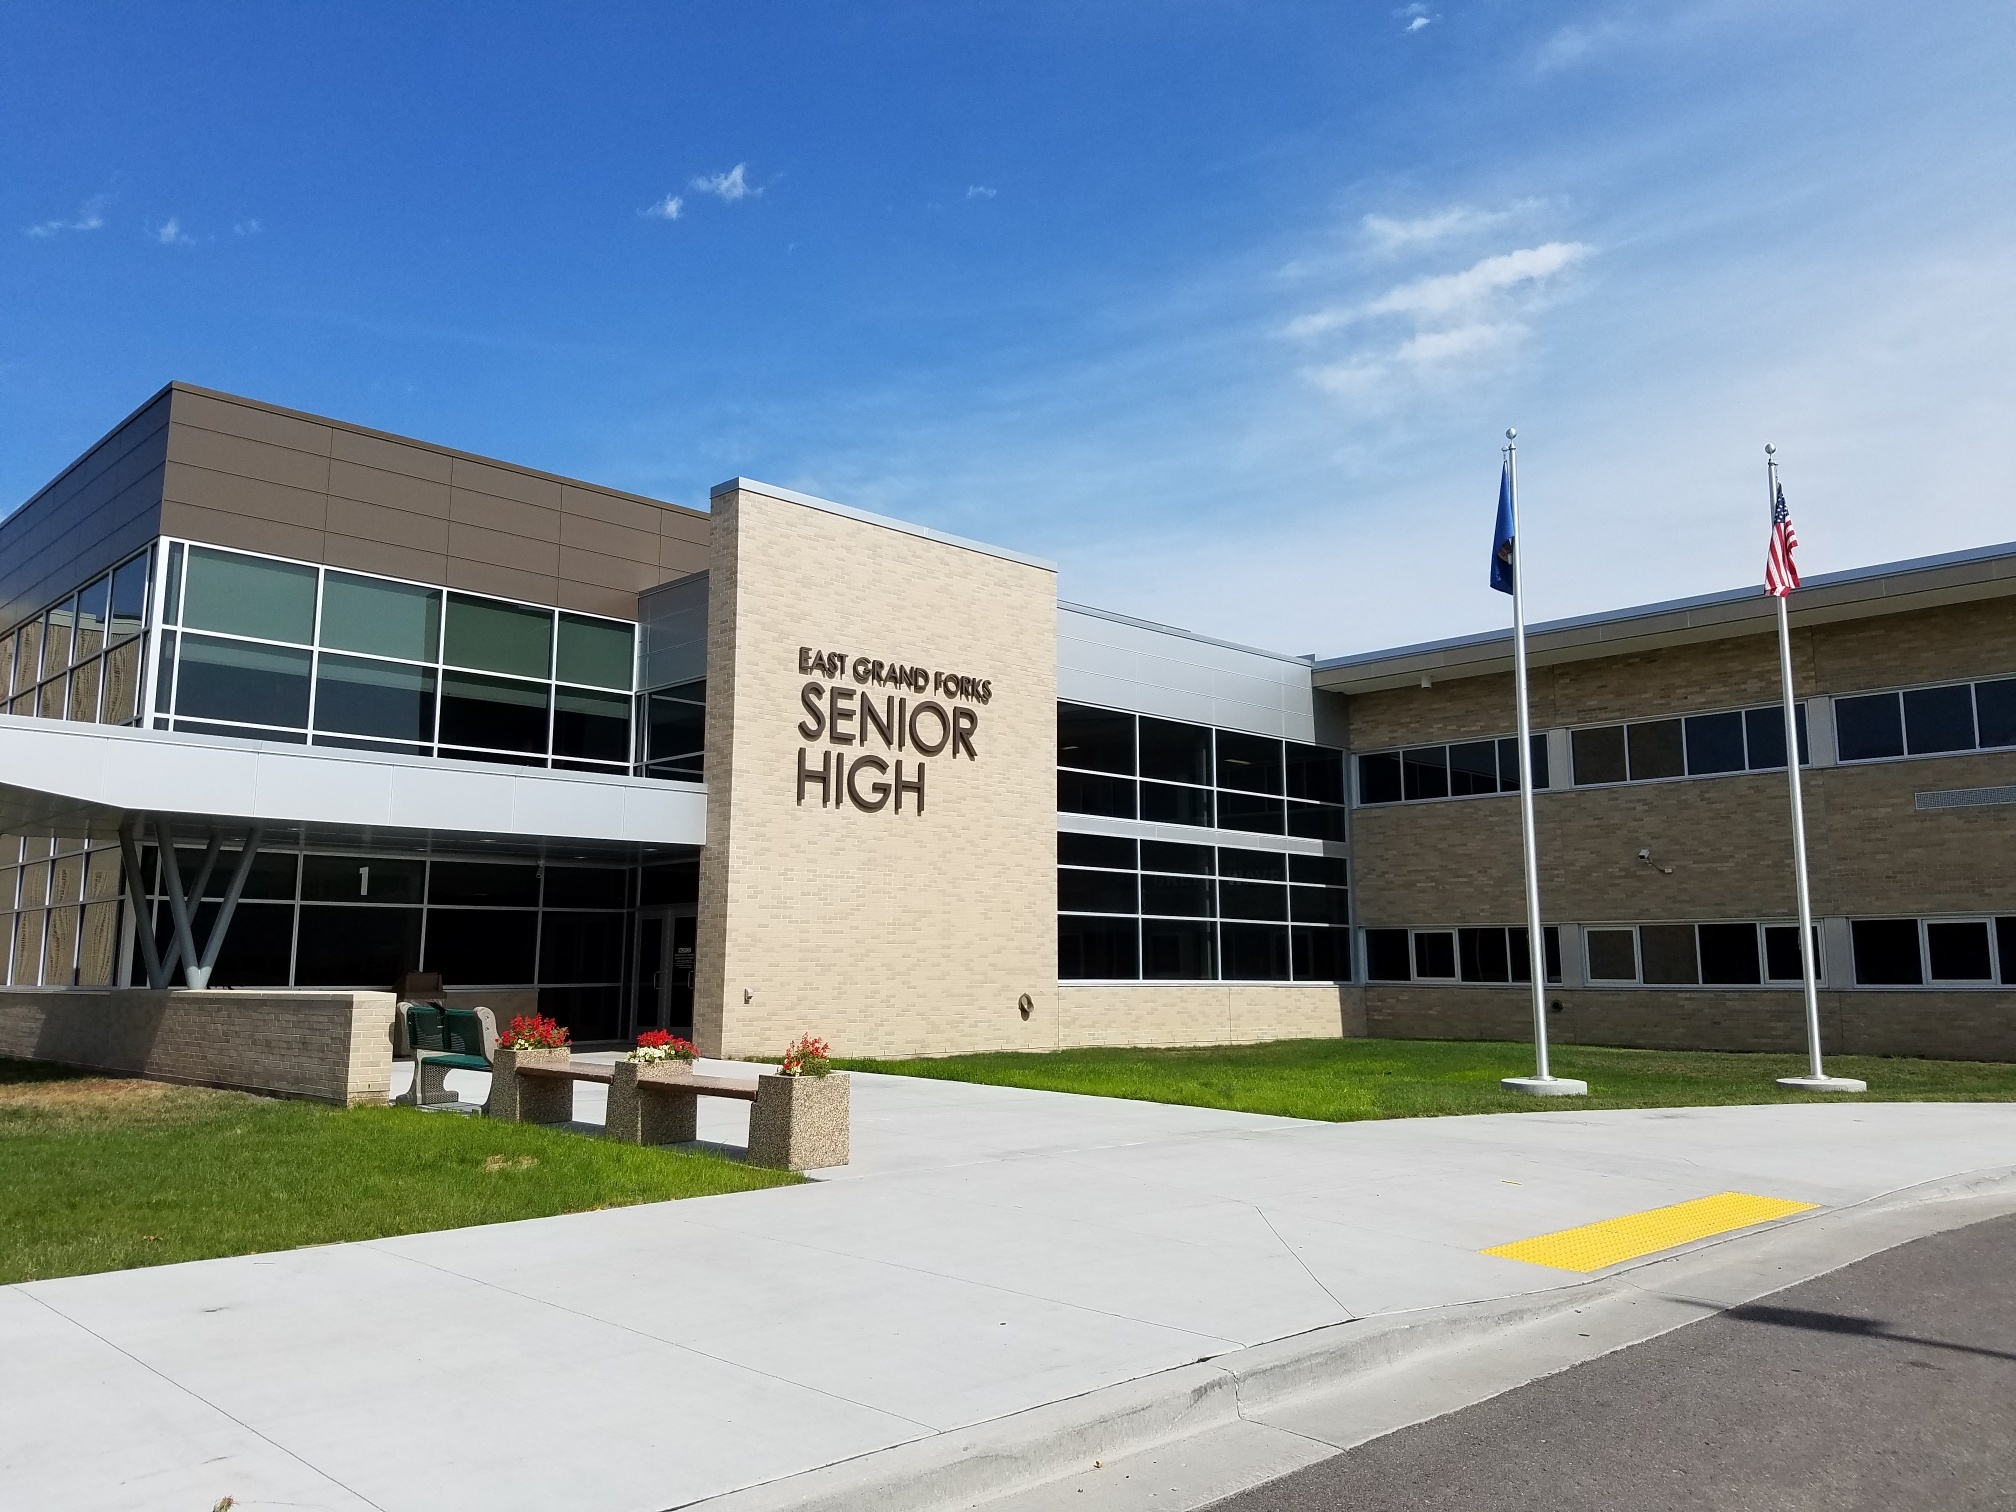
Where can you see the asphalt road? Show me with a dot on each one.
(1890, 1384)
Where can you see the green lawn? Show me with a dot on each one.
(99, 1174)
(1341, 1079)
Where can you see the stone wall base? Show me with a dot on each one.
(333, 1047)
(1937, 1025)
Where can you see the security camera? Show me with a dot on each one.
(1645, 855)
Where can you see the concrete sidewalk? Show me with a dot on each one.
(990, 1251)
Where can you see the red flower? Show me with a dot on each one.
(533, 1032)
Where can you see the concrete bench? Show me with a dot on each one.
(443, 1040)
(795, 1123)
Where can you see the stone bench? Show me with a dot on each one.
(796, 1123)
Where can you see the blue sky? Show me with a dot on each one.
(1224, 306)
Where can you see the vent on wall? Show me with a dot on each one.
(1966, 798)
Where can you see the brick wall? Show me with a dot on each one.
(1226, 1013)
(333, 1047)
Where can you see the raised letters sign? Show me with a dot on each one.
(907, 728)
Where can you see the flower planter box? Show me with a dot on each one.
(525, 1099)
(799, 1123)
(645, 1105)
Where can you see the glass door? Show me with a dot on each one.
(665, 944)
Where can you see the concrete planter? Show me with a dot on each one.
(799, 1123)
(526, 1099)
(640, 1116)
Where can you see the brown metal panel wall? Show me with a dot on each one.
(102, 507)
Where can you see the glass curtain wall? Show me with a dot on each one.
(267, 649)
(59, 912)
(361, 921)
(80, 658)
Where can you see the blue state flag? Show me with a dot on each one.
(1501, 542)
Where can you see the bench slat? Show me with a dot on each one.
(702, 1086)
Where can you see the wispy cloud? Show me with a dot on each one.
(170, 234)
(1446, 293)
(247, 228)
(667, 208)
(89, 217)
(730, 186)
(1415, 17)
(981, 191)
(1389, 233)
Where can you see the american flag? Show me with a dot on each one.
(1780, 575)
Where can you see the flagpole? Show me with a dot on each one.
(1816, 1078)
(1543, 1082)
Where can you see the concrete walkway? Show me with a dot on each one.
(989, 1251)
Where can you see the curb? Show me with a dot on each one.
(966, 1467)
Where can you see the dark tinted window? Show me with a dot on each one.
(1483, 955)
(1261, 866)
(1508, 763)
(677, 883)
(581, 947)
(1315, 773)
(1473, 767)
(1729, 954)
(1251, 812)
(1867, 728)
(1939, 719)
(1522, 958)
(1321, 955)
(1175, 752)
(1387, 956)
(1251, 763)
(238, 680)
(1096, 891)
(1165, 803)
(497, 712)
(1315, 821)
(588, 1013)
(1379, 778)
(1434, 953)
(1715, 743)
(1319, 905)
(356, 947)
(1095, 949)
(384, 699)
(1958, 952)
(1178, 950)
(1189, 897)
(1995, 704)
(1096, 739)
(129, 597)
(257, 947)
(1886, 952)
(1083, 793)
(362, 879)
(1096, 850)
(1425, 771)
(591, 726)
(1613, 955)
(2005, 947)
(1666, 955)
(1656, 750)
(676, 726)
(1252, 900)
(484, 883)
(1323, 871)
(1781, 953)
(1164, 855)
(1254, 952)
(482, 947)
(1599, 755)
(584, 887)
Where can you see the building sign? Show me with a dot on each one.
(894, 715)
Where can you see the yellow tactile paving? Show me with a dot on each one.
(1615, 1240)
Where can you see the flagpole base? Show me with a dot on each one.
(1546, 1086)
(1823, 1084)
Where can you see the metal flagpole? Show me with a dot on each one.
(1543, 1082)
(1816, 1078)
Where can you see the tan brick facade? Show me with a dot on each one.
(1224, 1013)
(886, 932)
(333, 1047)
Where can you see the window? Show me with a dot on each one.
(1490, 955)
(1958, 951)
(675, 732)
(259, 597)
(1926, 721)
(1465, 769)
(1936, 952)
(1689, 955)
(1696, 745)
(1199, 913)
(77, 659)
(382, 699)
(1886, 952)
(242, 681)
(498, 713)
(1613, 954)
(597, 652)
(1172, 752)
(491, 635)
(381, 618)
(1095, 740)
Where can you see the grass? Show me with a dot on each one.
(103, 1174)
(1342, 1079)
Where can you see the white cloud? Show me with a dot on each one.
(667, 208)
(1448, 293)
(90, 216)
(1391, 234)
(170, 234)
(980, 191)
(730, 186)
(247, 228)
(1417, 23)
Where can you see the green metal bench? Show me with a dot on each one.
(444, 1040)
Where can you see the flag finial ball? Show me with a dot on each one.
(1510, 433)
(1770, 450)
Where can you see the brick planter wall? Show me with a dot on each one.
(333, 1047)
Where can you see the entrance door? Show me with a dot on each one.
(665, 970)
